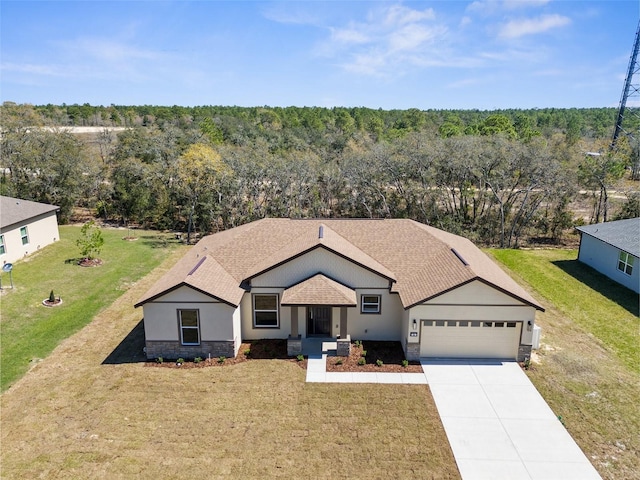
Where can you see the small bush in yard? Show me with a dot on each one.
(379, 362)
(358, 343)
(338, 362)
(362, 361)
(197, 360)
(247, 352)
(159, 360)
(405, 363)
(300, 357)
(364, 353)
(221, 359)
(180, 361)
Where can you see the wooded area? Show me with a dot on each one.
(498, 177)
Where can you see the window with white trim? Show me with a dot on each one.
(189, 326)
(265, 311)
(370, 303)
(625, 263)
(24, 235)
(3, 249)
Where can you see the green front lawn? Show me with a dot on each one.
(30, 331)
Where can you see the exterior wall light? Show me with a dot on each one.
(414, 324)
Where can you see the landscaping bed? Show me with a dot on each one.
(372, 356)
(267, 349)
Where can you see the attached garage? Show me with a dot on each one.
(470, 339)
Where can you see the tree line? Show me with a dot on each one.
(498, 177)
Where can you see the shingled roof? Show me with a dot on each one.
(622, 234)
(15, 211)
(420, 262)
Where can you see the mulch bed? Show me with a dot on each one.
(90, 262)
(390, 353)
(250, 350)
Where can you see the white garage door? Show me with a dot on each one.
(469, 339)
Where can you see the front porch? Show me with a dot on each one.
(318, 346)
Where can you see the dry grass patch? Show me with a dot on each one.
(73, 416)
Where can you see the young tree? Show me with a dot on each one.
(90, 241)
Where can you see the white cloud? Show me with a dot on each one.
(530, 26)
(390, 38)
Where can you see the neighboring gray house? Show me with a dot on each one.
(613, 249)
(434, 292)
(25, 227)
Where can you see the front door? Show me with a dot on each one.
(318, 321)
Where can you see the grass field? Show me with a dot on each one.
(76, 415)
(588, 364)
(29, 331)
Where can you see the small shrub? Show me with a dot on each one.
(52, 297)
(159, 360)
(338, 362)
(197, 360)
(364, 353)
(358, 343)
(180, 361)
(247, 352)
(379, 362)
(362, 361)
(405, 363)
(300, 357)
(221, 359)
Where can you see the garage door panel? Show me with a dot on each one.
(469, 339)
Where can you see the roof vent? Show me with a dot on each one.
(321, 231)
(464, 262)
(200, 262)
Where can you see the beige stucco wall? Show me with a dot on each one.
(474, 301)
(387, 325)
(249, 332)
(216, 318)
(42, 231)
(320, 260)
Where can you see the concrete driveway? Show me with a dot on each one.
(499, 426)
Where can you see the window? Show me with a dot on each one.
(370, 304)
(3, 249)
(265, 311)
(625, 263)
(25, 235)
(189, 327)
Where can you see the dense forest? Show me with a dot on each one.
(505, 178)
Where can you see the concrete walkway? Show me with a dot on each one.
(499, 426)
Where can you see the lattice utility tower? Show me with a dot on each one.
(631, 94)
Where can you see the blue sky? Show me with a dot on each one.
(485, 54)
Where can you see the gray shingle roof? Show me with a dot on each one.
(15, 211)
(420, 261)
(622, 234)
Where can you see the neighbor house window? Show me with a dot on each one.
(24, 235)
(625, 263)
(189, 327)
(370, 304)
(265, 310)
(3, 249)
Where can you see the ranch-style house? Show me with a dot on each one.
(393, 279)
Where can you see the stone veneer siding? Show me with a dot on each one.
(524, 353)
(173, 350)
(412, 352)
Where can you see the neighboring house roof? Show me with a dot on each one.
(16, 211)
(319, 290)
(622, 234)
(420, 262)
